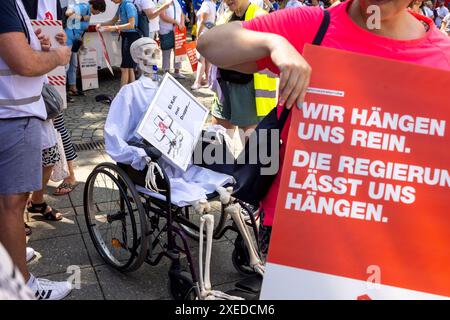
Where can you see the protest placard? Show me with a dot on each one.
(180, 40)
(363, 206)
(88, 68)
(56, 77)
(191, 52)
(173, 122)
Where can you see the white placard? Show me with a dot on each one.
(88, 68)
(173, 122)
(56, 77)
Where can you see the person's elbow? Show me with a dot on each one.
(24, 69)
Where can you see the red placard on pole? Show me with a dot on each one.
(180, 40)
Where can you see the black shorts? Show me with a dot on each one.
(127, 40)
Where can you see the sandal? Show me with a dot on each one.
(28, 230)
(74, 93)
(41, 208)
(70, 187)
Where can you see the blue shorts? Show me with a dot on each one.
(20, 155)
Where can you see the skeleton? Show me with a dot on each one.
(146, 53)
(234, 210)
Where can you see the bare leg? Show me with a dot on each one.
(200, 72)
(132, 76)
(12, 232)
(38, 196)
(207, 67)
(71, 178)
(224, 123)
(124, 78)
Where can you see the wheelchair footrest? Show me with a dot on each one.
(243, 294)
(252, 284)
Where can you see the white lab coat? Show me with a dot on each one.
(125, 113)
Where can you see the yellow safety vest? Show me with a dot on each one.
(266, 82)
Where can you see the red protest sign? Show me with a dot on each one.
(180, 40)
(362, 211)
(191, 52)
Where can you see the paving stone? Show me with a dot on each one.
(56, 254)
(44, 229)
(89, 288)
(147, 283)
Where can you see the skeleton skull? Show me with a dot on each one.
(146, 54)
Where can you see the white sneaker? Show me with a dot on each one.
(29, 254)
(49, 290)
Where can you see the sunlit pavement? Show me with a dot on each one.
(67, 244)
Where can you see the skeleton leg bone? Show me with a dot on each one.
(206, 291)
(234, 210)
(225, 194)
(201, 206)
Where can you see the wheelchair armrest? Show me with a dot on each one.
(151, 151)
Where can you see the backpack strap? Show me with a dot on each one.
(322, 29)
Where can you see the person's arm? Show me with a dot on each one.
(112, 22)
(203, 17)
(121, 27)
(155, 12)
(244, 47)
(164, 17)
(18, 55)
(182, 24)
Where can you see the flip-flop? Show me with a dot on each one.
(65, 185)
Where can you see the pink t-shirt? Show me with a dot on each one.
(300, 25)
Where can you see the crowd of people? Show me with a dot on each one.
(258, 68)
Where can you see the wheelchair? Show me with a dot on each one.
(129, 226)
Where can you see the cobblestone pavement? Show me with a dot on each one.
(85, 118)
(67, 243)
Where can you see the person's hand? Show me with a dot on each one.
(61, 37)
(44, 40)
(181, 26)
(98, 26)
(63, 54)
(295, 72)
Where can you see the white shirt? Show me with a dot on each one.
(164, 27)
(125, 113)
(12, 284)
(293, 4)
(259, 3)
(47, 10)
(209, 8)
(153, 23)
(428, 12)
(142, 4)
(441, 11)
(14, 87)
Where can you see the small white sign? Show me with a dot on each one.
(173, 122)
(88, 68)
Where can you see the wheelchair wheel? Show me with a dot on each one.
(115, 218)
(181, 285)
(189, 213)
(240, 258)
